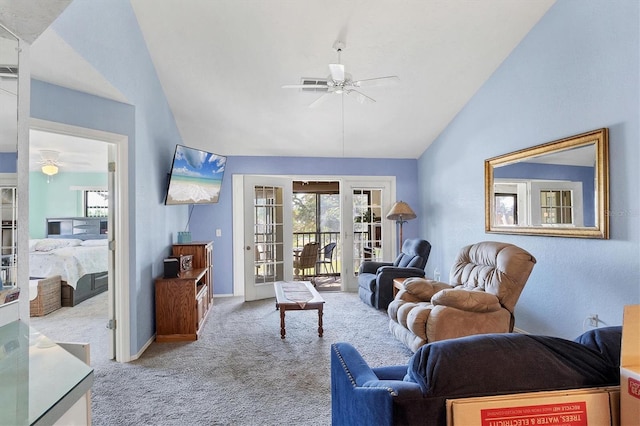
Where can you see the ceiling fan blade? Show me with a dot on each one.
(337, 72)
(320, 100)
(360, 97)
(378, 81)
(49, 155)
(304, 86)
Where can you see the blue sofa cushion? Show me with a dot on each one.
(510, 363)
(606, 340)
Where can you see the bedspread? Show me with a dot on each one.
(71, 263)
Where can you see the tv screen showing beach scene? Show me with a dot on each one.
(196, 177)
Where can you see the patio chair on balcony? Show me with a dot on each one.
(306, 259)
(325, 257)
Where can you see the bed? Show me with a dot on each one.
(81, 264)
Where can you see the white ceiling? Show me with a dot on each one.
(76, 154)
(222, 64)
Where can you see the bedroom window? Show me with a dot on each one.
(96, 203)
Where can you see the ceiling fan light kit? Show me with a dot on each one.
(49, 163)
(340, 82)
(50, 169)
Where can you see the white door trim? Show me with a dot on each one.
(121, 230)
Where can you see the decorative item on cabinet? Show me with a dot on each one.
(202, 257)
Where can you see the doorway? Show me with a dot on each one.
(115, 152)
(316, 218)
(280, 188)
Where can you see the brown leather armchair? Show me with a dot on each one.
(486, 280)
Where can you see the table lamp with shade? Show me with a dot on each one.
(401, 213)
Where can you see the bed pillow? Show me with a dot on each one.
(93, 243)
(32, 245)
(49, 244)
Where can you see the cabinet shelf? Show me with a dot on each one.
(183, 302)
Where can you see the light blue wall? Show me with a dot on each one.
(207, 218)
(106, 34)
(56, 198)
(577, 70)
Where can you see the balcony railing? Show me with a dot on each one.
(323, 238)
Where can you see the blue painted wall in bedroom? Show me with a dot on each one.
(576, 71)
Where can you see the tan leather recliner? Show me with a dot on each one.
(486, 280)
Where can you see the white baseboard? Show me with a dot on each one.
(520, 331)
(144, 348)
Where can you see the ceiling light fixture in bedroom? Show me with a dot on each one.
(49, 169)
(49, 163)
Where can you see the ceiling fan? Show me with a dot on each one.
(339, 82)
(49, 162)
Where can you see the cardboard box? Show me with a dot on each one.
(630, 367)
(577, 407)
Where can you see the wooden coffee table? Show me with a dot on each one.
(297, 296)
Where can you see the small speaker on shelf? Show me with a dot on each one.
(171, 267)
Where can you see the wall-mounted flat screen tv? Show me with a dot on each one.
(196, 177)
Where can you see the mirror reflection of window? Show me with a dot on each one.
(506, 212)
(9, 236)
(556, 207)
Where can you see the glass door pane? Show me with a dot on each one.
(268, 234)
(367, 226)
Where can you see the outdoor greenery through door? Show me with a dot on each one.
(316, 218)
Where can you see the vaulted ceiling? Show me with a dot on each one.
(222, 65)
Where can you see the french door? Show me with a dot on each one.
(268, 242)
(367, 234)
(263, 239)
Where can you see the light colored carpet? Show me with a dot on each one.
(239, 373)
(327, 283)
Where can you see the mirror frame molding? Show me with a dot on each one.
(601, 139)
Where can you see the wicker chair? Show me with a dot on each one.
(306, 260)
(48, 297)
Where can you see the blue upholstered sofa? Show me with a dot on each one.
(479, 365)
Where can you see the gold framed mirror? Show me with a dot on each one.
(559, 188)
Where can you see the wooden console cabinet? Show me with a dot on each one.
(202, 252)
(182, 305)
